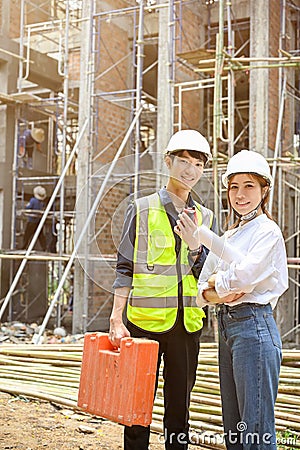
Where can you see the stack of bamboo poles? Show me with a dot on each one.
(52, 372)
(46, 372)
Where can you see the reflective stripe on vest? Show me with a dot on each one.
(153, 303)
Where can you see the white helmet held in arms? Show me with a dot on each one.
(247, 161)
(188, 140)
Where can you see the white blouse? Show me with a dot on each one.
(262, 275)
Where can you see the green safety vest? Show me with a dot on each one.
(153, 301)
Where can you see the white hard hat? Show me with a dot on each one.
(188, 140)
(247, 161)
(39, 192)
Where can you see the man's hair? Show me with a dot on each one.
(193, 153)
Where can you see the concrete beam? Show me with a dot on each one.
(164, 95)
(43, 69)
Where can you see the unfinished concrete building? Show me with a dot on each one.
(108, 82)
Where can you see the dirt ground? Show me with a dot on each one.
(36, 425)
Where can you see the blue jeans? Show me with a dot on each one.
(249, 361)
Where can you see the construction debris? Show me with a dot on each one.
(21, 333)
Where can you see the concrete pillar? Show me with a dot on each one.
(82, 189)
(164, 93)
(8, 82)
(259, 78)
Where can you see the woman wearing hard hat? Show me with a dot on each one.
(246, 292)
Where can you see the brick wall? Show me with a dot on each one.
(35, 12)
(109, 219)
(190, 40)
(41, 12)
(289, 44)
(191, 29)
(74, 65)
(112, 117)
(114, 4)
(14, 6)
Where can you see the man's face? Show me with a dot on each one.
(185, 171)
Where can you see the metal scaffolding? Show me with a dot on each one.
(57, 113)
(109, 92)
(285, 162)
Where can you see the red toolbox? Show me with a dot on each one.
(118, 384)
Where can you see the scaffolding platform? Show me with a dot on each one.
(34, 255)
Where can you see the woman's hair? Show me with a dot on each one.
(263, 183)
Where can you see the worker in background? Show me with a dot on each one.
(30, 140)
(36, 203)
(156, 278)
(247, 291)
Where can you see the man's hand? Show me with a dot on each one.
(186, 228)
(117, 331)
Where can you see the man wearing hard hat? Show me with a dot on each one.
(31, 138)
(159, 262)
(35, 206)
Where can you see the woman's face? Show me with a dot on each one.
(245, 193)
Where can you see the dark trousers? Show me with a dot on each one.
(179, 350)
(29, 232)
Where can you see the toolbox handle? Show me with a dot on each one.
(105, 343)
